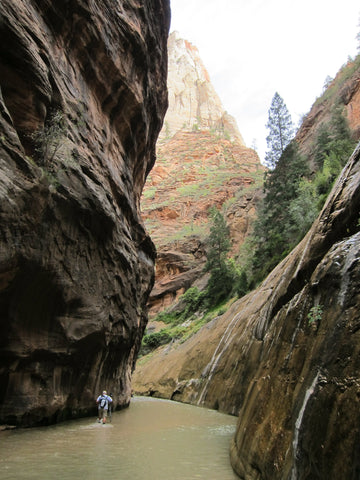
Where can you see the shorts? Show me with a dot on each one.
(103, 412)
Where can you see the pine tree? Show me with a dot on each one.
(219, 242)
(334, 140)
(281, 131)
(221, 275)
(275, 231)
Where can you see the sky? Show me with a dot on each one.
(254, 48)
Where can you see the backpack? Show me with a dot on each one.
(103, 402)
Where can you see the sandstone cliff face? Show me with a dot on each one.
(193, 101)
(195, 171)
(285, 358)
(343, 90)
(202, 162)
(76, 264)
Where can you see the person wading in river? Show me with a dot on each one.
(103, 401)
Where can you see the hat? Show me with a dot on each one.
(104, 392)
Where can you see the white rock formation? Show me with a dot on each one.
(193, 102)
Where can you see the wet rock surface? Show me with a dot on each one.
(76, 264)
(285, 358)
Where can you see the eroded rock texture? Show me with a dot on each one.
(197, 167)
(76, 265)
(286, 357)
(193, 101)
(195, 171)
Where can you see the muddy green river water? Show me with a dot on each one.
(151, 440)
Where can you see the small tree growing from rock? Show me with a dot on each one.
(51, 139)
(220, 282)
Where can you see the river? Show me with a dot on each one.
(151, 440)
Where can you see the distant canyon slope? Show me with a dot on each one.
(343, 90)
(286, 357)
(202, 162)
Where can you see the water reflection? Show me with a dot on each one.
(151, 440)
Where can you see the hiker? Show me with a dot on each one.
(103, 402)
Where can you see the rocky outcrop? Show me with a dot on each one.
(202, 162)
(285, 358)
(195, 171)
(343, 90)
(193, 101)
(176, 271)
(83, 96)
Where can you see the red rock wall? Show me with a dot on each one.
(76, 265)
(284, 358)
(343, 90)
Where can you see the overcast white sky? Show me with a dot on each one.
(253, 48)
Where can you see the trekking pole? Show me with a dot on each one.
(110, 408)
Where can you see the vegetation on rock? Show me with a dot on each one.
(191, 314)
(193, 172)
(49, 140)
(197, 307)
(294, 193)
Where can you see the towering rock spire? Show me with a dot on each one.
(193, 101)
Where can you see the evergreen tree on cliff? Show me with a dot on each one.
(220, 282)
(281, 131)
(277, 226)
(219, 242)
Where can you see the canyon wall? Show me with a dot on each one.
(82, 100)
(285, 358)
(342, 92)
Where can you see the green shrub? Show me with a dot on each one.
(194, 300)
(51, 139)
(315, 314)
(154, 340)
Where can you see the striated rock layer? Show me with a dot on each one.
(195, 171)
(202, 162)
(76, 264)
(193, 101)
(286, 357)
